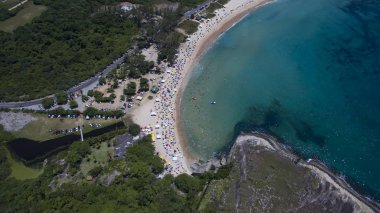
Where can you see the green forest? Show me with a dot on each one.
(137, 189)
(73, 40)
(68, 43)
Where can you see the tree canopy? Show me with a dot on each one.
(73, 104)
(47, 103)
(62, 98)
(68, 43)
(138, 190)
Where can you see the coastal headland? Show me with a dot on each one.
(267, 177)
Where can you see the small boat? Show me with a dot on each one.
(212, 102)
(194, 98)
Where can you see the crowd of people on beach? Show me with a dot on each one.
(165, 103)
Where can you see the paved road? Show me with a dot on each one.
(105, 72)
(108, 69)
(74, 89)
(20, 104)
(196, 10)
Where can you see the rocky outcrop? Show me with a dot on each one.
(267, 177)
(202, 166)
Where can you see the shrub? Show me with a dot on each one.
(189, 26)
(90, 93)
(47, 103)
(63, 112)
(91, 112)
(73, 104)
(129, 92)
(62, 98)
(135, 73)
(132, 85)
(187, 183)
(144, 84)
(134, 129)
(84, 98)
(102, 80)
(223, 171)
(94, 172)
(5, 169)
(110, 90)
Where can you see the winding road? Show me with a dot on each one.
(73, 89)
(104, 72)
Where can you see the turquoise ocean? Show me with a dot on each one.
(306, 71)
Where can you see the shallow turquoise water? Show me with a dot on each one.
(305, 71)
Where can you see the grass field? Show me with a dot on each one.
(20, 171)
(97, 157)
(23, 17)
(39, 129)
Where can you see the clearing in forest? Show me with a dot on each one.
(23, 17)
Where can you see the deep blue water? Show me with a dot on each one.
(308, 71)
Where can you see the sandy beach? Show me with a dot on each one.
(161, 116)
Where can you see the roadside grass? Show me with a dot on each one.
(20, 171)
(38, 130)
(23, 17)
(99, 156)
(104, 123)
(189, 26)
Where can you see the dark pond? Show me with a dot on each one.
(30, 150)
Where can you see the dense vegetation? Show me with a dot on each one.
(131, 89)
(69, 42)
(144, 85)
(47, 103)
(189, 26)
(73, 104)
(210, 10)
(137, 66)
(6, 14)
(73, 40)
(62, 98)
(62, 112)
(136, 190)
(5, 169)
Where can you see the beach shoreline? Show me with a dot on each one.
(201, 48)
(173, 147)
